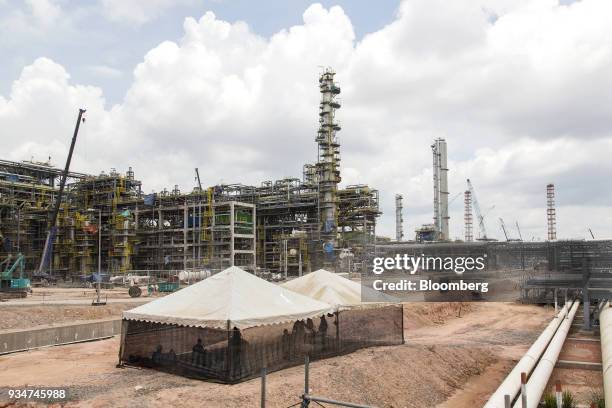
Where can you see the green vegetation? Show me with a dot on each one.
(568, 401)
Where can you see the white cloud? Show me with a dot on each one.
(137, 11)
(45, 11)
(105, 71)
(33, 21)
(519, 90)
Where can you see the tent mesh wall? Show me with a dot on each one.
(235, 355)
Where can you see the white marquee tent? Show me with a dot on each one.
(231, 298)
(334, 289)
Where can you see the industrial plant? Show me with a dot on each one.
(287, 226)
(196, 277)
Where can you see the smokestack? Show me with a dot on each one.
(399, 219)
(551, 212)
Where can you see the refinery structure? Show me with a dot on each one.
(287, 226)
(59, 227)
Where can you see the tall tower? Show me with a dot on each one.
(440, 179)
(399, 218)
(328, 168)
(551, 212)
(467, 217)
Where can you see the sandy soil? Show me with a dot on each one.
(582, 383)
(25, 317)
(447, 361)
(504, 330)
(75, 296)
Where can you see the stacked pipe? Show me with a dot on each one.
(541, 374)
(605, 330)
(512, 383)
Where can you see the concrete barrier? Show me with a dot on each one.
(22, 340)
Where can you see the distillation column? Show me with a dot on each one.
(440, 178)
(328, 160)
(399, 219)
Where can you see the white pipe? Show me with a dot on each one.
(541, 374)
(512, 383)
(605, 330)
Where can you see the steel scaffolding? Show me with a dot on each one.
(467, 217)
(551, 213)
(289, 225)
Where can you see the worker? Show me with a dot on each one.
(235, 346)
(309, 337)
(171, 357)
(297, 338)
(322, 334)
(198, 352)
(286, 345)
(157, 355)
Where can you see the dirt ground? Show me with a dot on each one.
(74, 296)
(447, 361)
(27, 317)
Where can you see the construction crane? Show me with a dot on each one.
(591, 232)
(479, 215)
(198, 179)
(503, 227)
(52, 229)
(519, 231)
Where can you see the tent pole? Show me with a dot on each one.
(337, 313)
(228, 353)
(124, 326)
(403, 340)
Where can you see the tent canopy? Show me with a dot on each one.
(232, 297)
(334, 289)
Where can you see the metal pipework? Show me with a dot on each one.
(605, 330)
(512, 383)
(541, 374)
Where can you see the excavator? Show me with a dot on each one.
(11, 286)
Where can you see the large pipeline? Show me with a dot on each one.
(536, 385)
(605, 330)
(512, 383)
(193, 276)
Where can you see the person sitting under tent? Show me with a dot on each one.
(297, 338)
(198, 353)
(157, 355)
(235, 346)
(171, 357)
(286, 345)
(322, 334)
(309, 337)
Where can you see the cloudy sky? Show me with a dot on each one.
(520, 89)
